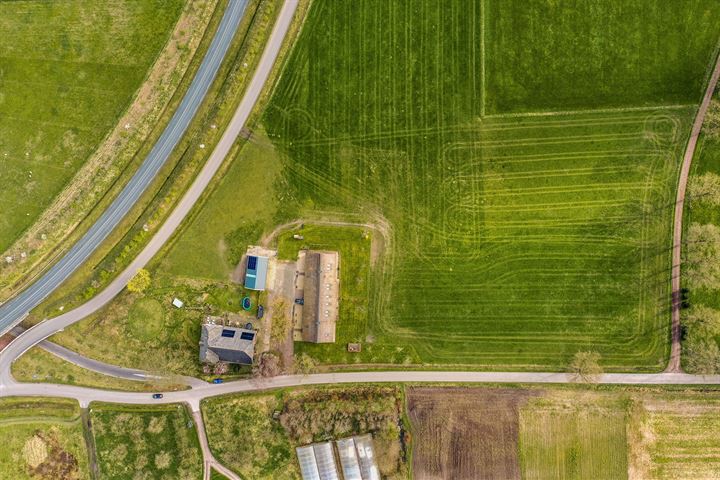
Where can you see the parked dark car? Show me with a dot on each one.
(300, 301)
(217, 381)
(157, 395)
(260, 311)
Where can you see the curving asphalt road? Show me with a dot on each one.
(14, 310)
(42, 330)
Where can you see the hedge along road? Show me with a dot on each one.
(14, 310)
(44, 329)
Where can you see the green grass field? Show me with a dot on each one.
(564, 55)
(516, 240)
(69, 69)
(42, 440)
(679, 438)
(146, 442)
(242, 205)
(572, 439)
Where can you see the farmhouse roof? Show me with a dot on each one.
(321, 292)
(219, 343)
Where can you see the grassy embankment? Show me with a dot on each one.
(42, 439)
(306, 415)
(146, 442)
(65, 83)
(175, 349)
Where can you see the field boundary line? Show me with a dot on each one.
(676, 333)
(482, 59)
(649, 108)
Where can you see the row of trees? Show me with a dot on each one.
(701, 327)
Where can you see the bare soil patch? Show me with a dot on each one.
(466, 433)
(5, 340)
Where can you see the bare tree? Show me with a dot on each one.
(585, 367)
(268, 365)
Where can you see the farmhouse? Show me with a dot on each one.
(321, 296)
(219, 343)
(256, 272)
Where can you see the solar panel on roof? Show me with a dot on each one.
(252, 263)
(247, 336)
(228, 333)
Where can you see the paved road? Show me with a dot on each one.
(42, 330)
(193, 397)
(102, 367)
(13, 311)
(675, 349)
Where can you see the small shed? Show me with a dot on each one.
(256, 272)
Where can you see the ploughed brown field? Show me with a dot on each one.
(466, 433)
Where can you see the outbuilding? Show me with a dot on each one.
(256, 272)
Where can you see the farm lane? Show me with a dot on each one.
(14, 310)
(209, 460)
(675, 349)
(45, 329)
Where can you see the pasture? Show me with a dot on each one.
(517, 240)
(569, 55)
(42, 440)
(69, 70)
(679, 437)
(572, 437)
(146, 442)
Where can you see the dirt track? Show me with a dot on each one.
(674, 363)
